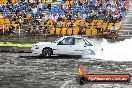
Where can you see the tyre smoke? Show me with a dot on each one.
(120, 51)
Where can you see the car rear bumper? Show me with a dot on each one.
(89, 57)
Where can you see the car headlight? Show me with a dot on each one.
(36, 46)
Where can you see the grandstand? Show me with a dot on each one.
(63, 17)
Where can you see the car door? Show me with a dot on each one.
(65, 47)
(79, 46)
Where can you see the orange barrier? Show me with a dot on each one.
(63, 31)
(88, 32)
(69, 31)
(58, 31)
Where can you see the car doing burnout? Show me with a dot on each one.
(67, 45)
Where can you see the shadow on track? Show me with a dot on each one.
(52, 57)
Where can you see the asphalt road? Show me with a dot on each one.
(21, 70)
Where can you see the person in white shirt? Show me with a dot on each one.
(34, 10)
(84, 16)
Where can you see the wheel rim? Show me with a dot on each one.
(43, 52)
(47, 52)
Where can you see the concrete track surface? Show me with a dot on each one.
(21, 70)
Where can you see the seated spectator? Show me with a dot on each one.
(80, 3)
(95, 17)
(60, 18)
(11, 29)
(54, 24)
(59, 24)
(69, 7)
(34, 10)
(45, 28)
(1, 9)
(83, 16)
(81, 25)
(114, 28)
(102, 16)
(91, 5)
(118, 19)
(99, 30)
(75, 16)
(107, 30)
(71, 24)
(114, 18)
(61, 6)
(88, 18)
(40, 6)
(49, 6)
(29, 29)
(69, 16)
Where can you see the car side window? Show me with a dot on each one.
(79, 41)
(67, 41)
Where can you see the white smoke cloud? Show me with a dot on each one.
(120, 51)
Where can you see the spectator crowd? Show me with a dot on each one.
(40, 17)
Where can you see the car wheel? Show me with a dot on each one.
(47, 52)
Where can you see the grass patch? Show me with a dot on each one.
(15, 44)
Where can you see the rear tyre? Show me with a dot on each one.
(47, 52)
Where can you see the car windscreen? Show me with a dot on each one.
(59, 39)
(87, 43)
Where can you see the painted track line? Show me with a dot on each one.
(66, 83)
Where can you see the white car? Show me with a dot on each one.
(68, 45)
